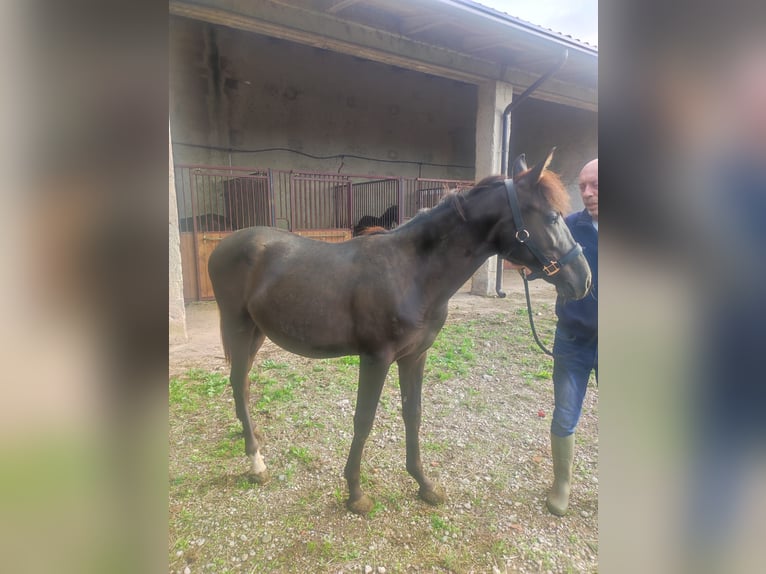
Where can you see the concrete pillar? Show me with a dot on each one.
(177, 311)
(493, 97)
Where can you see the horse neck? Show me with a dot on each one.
(449, 249)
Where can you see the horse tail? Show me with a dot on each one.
(238, 329)
(225, 339)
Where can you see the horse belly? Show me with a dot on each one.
(307, 329)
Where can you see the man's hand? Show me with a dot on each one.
(520, 268)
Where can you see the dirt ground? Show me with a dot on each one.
(487, 398)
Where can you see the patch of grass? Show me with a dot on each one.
(187, 390)
(500, 549)
(272, 391)
(441, 525)
(351, 360)
(351, 554)
(450, 560)
(180, 393)
(270, 364)
(452, 353)
(230, 448)
(321, 549)
(301, 454)
(433, 446)
(244, 483)
(376, 508)
(213, 384)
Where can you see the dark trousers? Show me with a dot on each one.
(574, 358)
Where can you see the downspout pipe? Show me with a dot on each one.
(505, 150)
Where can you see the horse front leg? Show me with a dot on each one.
(372, 374)
(410, 385)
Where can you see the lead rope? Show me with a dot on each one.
(531, 319)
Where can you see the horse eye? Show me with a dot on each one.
(553, 218)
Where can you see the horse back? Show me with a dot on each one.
(314, 298)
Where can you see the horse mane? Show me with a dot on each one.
(555, 192)
(550, 185)
(552, 189)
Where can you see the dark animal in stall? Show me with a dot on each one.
(388, 220)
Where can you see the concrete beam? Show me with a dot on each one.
(493, 97)
(176, 309)
(325, 31)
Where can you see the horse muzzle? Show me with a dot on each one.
(574, 281)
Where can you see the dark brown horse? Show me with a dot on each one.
(381, 296)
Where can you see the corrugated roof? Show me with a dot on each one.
(526, 23)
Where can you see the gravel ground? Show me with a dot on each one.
(487, 398)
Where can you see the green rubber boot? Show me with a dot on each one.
(563, 456)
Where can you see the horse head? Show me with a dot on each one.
(532, 232)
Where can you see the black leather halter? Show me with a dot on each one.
(549, 267)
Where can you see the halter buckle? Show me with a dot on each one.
(552, 268)
(520, 238)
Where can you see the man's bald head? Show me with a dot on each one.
(588, 181)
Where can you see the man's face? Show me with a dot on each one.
(589, 188)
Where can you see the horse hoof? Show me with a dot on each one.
(260, 478)
(361, 506)
(433, 496)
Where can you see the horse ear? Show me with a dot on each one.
(519, 165)
(537, 171)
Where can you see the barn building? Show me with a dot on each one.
(311, 115)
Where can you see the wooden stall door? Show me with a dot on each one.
(207, 241)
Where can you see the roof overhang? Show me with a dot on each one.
(456, 39)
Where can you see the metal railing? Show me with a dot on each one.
(216, 198)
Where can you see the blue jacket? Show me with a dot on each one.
(580, 318)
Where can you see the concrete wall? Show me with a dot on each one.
(235, 89)
(538, 126)
(176, 309)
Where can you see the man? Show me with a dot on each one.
(575, 347)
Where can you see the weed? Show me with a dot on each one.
(244, 483)
(274, 392)
(179, 391)
(376, 508)
(213, 384)
(500, 549)
(432, 446)
(452, 353)
(440, 525)
(351, 360)
(270, 364)
(228, 448)
(301, 454)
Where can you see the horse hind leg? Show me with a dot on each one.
(410, 385)
(242, 339)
